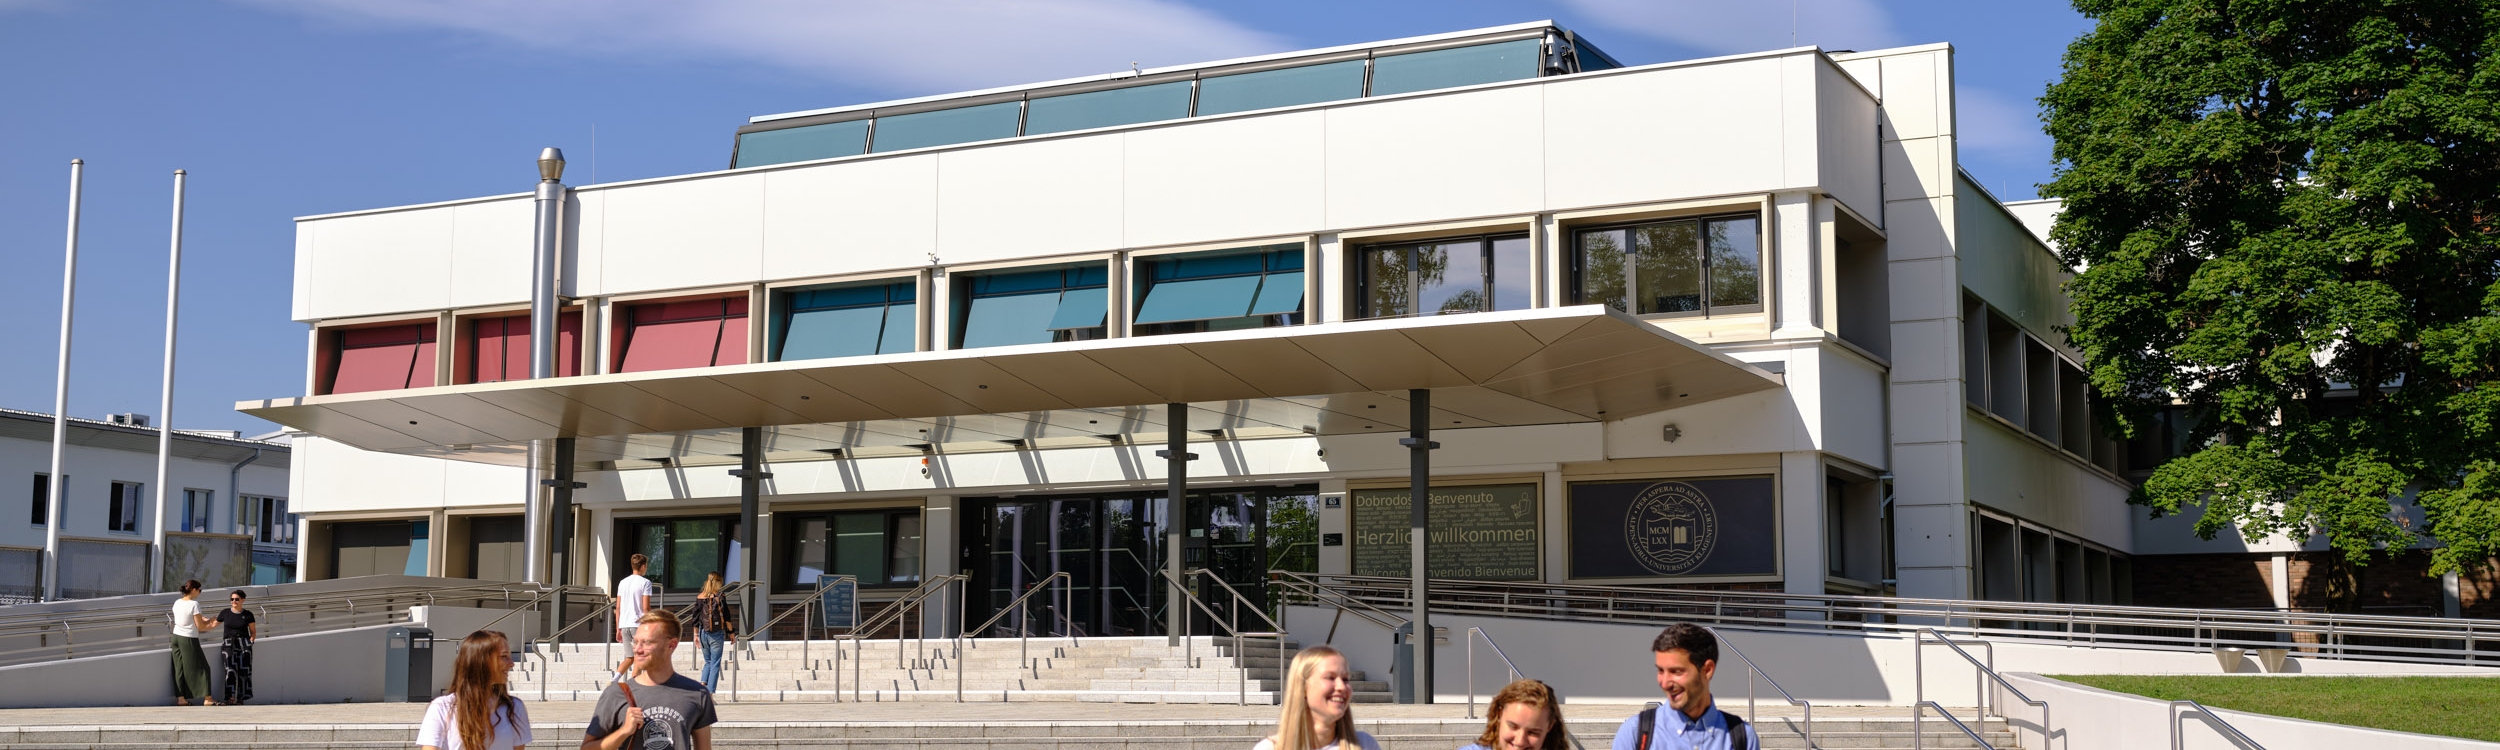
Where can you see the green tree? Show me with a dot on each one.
(2286, 215)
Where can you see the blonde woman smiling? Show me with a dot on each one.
(1317, 715)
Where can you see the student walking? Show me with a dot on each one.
(633, 598)
(713, 625)
(241, 629)
(1317, 714)
(479, 713)
(1686, 656)
(652, 707)
(1526, 715)
(190, 663)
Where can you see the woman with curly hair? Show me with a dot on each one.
(1526, 715)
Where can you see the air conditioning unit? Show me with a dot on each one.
(128, 420)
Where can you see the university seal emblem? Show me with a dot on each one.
(1670, 528)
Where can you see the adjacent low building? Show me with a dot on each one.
(225, 513)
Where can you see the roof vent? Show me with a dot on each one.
(128, 420)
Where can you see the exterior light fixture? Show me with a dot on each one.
(1672, 432)
(551, 165)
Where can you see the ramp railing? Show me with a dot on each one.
(1753, 670)
(72, 629)
(2178, 722)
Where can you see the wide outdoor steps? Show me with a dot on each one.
(1120, 670)
(557, 724)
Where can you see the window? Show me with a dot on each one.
(43, 498)
(381, 358)
(196, 508)
(1284, 87)
(1440, 277)
(1835, 528)
(846, 321)
(1102, 109)
(1220, 291)
(880, 547)
(685, 333)
(979, 122)
(1684, 267)
(682, 551)
(499, 348)
(1032, 307)
(805, 143)
(123, 515)
(265, 520)
(1457, 66)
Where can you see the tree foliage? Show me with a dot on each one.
(2286, 215)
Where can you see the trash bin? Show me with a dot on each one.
(1402, 664)
(408, 665)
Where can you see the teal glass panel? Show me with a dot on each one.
(418, 544)
(1457, 66)
(836, 332)
(1199, 299)
(1735, 263)
(803, 143)
(901, 325)
(1102, 109)
(1279, 295)
(1284, 87)
(945, 126)
(851, 296)
(1194, 267)
(1081, 308)
(1511, 259)
(1008, 283)
(1009, 319)
(859, 546)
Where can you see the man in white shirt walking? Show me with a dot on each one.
(633, 598)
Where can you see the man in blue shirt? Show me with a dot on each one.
(1686, 656)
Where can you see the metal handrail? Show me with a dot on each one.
(737, 656)
(1189, 641)
(1918, 725)
(1756, 669)
(1474, 633)
(533, 602)
(1987, 672)
(2422, 639)
(65, 635)
(2178, 721)
(1024, 625)
(1291, 581)
(918, 596)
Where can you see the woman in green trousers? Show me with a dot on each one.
(190, 664)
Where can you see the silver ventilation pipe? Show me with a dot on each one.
(547, 250)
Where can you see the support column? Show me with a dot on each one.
(1176, 458)
(751, 476)
(1419, 446)
(1802, 529)
(560, 528)
(941, 553)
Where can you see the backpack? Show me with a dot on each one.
(1649, 723)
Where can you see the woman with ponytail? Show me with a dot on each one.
(1318, 714)
(479, 713)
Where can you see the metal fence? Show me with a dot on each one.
(97, 568)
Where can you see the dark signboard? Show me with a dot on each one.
(841, 602)
(1675, 527)
(1485, 533)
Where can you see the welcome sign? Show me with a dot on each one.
(1681, 527)
(1485, 533)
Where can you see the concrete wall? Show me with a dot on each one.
(2017, 473)
(2088, 717)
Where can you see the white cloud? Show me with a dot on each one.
(1988, 121)
(908, 47)
(1731, 26)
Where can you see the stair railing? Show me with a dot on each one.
(742, 646)
(1473, 634)
(1922, 637)
(549, 641)
(1231, 626)
(893, 613)
(2178, 722)
(1918, 734)
(1021, 607)
(1752, 669)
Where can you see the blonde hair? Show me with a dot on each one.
(662, 618)
(711, 584)
(1533, 693)
(1293, 730)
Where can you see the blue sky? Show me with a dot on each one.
(286, 108)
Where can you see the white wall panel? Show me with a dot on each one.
(1643, 137)
(1847, 142)
(2018, 475)
(1248, 177)
(301, 308)
(1759, 422)
(1852, 408)
(371, 264)
(1918, 94)
(492, 248)
(850, 216)
(2005, 264)
(333, 477)
(1917, 168)
(586, 238)
(1026, 199)
(1436, 158)
(686, 233)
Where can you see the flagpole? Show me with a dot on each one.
(165, 404)
(52, 519)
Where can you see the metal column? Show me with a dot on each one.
(165, 405)
(1419, 446)
(560, 528)
(751, 476)
(547, 251)
(1176, 458)
(52, 515)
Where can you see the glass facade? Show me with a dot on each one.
(682, 551)
(1111, 546)
(1102, 109)
(1220, 290)
(879, 547)
(1441, 277)
(803, 143)
(1457, 66)
(846, 321)
(1682, 267)
(1283, 87)
(1032, 307)
(941, 127)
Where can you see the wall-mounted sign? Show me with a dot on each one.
(1680, 527)
(1332, 540)
(1333, 501)
(1484, 533)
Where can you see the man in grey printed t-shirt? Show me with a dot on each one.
(667, 711)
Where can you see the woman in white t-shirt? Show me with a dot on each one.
(190, 663)
(479, 713)
(1317, 712)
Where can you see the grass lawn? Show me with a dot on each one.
(2467, 707)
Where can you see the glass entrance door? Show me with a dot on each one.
(1105, 545)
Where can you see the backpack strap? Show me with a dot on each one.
(1649, 728)
(1735, 731)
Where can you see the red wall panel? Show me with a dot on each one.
(382, 358)
(688, 333)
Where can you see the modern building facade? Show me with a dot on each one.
(225, 514)
(1731, 322)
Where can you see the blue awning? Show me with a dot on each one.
(1081, 308)
(1188, 300)
(1280, 295)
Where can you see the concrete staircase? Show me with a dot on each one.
(1112, 670)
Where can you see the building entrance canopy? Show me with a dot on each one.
(1526, 367)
